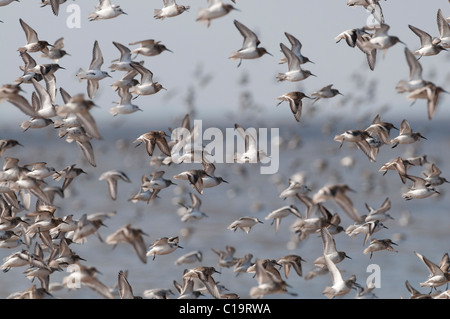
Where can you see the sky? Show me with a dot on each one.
(201, 53)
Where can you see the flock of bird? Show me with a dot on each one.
(44, 242)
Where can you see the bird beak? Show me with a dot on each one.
(394, 244)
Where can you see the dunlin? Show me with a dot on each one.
(430, 92)
(398, 164)
(152, 139)
(226, 258)
(379, 244)
(125, 106)
(326, 92)
(420, 188)
(193, 212)
(132, 236)
(125, 289)
(251, 152)
(329, 249)
(146, 86)
(359, 137)
(245, 223)
(33, 42)
(433, 176)
(105, 10)
(94, 74)
(170, 9)
(205, 275)
(295, 102)
(379, 213)
(163, 246)
(56, 52)
(124, 62)
(250, 48)
(149, 47)
(444, 30)
(295, 72)
(428, 45)
(415, 80)
(406, 135)
(291, 261)
(243, 264)
(282, 212)
(337, 193)
(216, 9)
(111, 177)
(296, 47)
(437, 276)
(267, 284)
(367, 228)
(340, 286)
(190, 258)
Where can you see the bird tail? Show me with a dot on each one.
(157, 14)
(281, 77)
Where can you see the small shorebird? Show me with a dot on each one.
(33, 42)
(340, 286)
(295, 188)
(105, 10)
(94, 74)
(326, 92)
(267, 283)
(204, 274)
(190, 258)
(54, 4)
(428, 45)
(111, 177)
(163, 246)
(156, 183)
(336, 193)
(149, 47)
(420, 188)
(56, 52)
(226, 258)
(282, 212)
(193, 212)
(243, 264)
(367, 228)
(6, 144)
(152, 139)
(437, 276)
(124, 287)
(295, 102)
(415, 80)
(351, 36)
(429, 92)
(433, 176)
(380, 129)
(291, 261)
(296, 47)
(329, 249)
(124, 62)
(146, 86)
(245, 223)
(359, 137)
(129, 235)
(295, 72)
(124, 106)
(68, 173)
(398, 164)
(370, 5)
(87, 276)
(11, 93)
(216, 9)
(170, 9)
(379, 213)
(406, 135)
(250, 49)
(251, 152)
(379, 244)
(444, 30)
